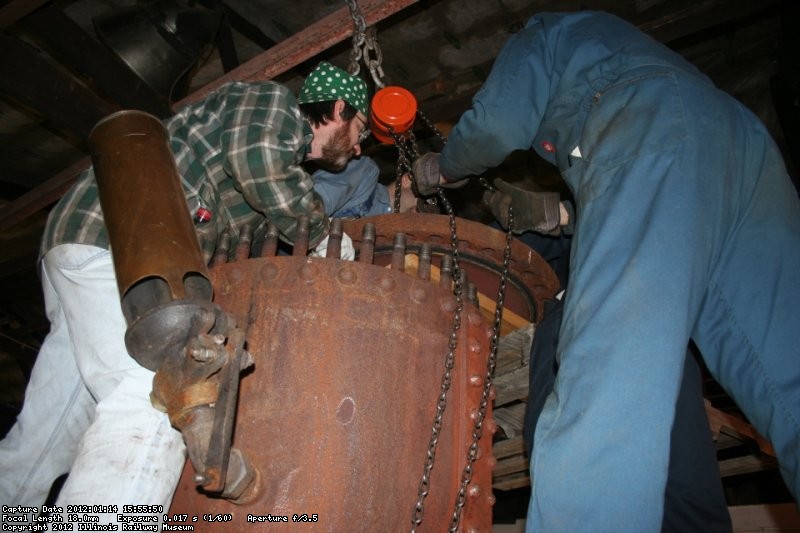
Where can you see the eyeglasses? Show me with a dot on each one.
(364, 135)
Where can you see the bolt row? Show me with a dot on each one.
(366, 251)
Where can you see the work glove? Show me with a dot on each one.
(427, 176)
(348, 252)
(533, 211)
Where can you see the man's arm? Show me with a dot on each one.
(264, 143)
(506, 112)
(354, 191)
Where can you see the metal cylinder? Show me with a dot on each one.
(317, 425)
(157, 257)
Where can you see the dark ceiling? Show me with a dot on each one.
(57, 78)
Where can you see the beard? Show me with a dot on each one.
(337, 151)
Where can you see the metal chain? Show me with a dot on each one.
(365, 46)
(449, 363)
(430, 125)
(491, 363)
(402, 168)
(359, 29)
(486, 184)
(407, 153)
(404, 155)
(374, 63)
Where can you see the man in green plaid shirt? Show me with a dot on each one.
(87, 409)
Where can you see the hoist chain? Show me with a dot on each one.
(488, 382)
(402, 169)
(405, 155)
(365, 46)
(430, 125)
(486, 184)
(406, 152)
(449, 363)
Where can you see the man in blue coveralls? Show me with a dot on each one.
(687, 226)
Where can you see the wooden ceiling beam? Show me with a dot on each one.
(336, 27)
(47, 89)
(88, 58)
(302, 46)
(702, 16)
(15, 10)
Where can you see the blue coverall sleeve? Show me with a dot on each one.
(506, 112)
(351, 192)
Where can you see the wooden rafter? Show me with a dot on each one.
(287, 54)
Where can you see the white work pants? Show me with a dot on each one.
(87, 409)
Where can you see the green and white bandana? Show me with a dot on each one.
(327, 82)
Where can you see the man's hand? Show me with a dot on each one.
(533, 211)
(426, 173)
(408, 202)
(428, 177)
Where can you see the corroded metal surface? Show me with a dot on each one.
(531, 280)
(335, 415)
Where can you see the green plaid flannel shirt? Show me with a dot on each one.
(238, 152)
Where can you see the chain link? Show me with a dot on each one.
(486, 184)
(359, 37)
(365, 46)
(407, 151)
(371, 48)
(404, 155)
(430, 125)
(488, 383)
(491, 363)
(449, 363)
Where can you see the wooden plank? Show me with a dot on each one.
(746, 464)
(725, 441)
(302, 46)
(512, 465)
(51, 92)
(508, 447)
(514, 481)
(15, 10)
(511, 419)
(34, 200)
(512, 386)
(719, 420)
(701, 16)
(514, 349)
(765, 517)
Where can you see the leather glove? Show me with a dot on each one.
(533, 211)
(348, 252)
(427, 176)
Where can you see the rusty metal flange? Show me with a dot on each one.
(531, 280)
